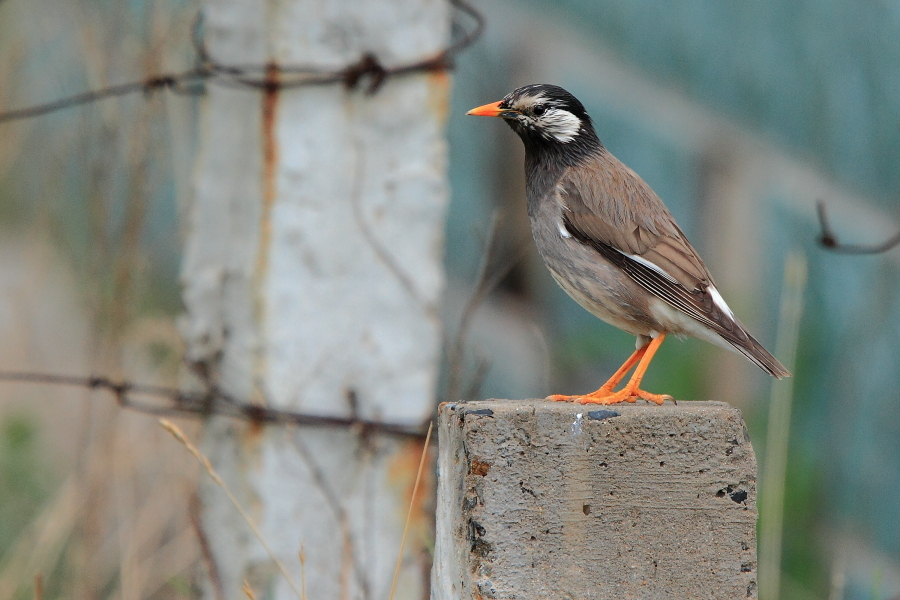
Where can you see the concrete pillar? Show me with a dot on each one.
(312, 276)
(554, 500)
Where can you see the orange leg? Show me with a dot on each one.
(607, 388)
(631, 392)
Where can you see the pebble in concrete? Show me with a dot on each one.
(553, 500)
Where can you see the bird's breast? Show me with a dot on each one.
(591, 280)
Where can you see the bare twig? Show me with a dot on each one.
(340, 515)
(455, 359)
(214, 401)
(489, 276)
(368, 67)
(209, 560)
(375, 244)
(482, 366)
(829, 240)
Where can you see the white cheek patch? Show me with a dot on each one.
(559, 124)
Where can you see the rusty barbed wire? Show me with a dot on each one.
(191, 82)
(828, 239)
(208, 402)
(213, 401)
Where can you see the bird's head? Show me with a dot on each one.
(543, 115)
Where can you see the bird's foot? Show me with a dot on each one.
(603, 392)
(606, 396)
(639, 394)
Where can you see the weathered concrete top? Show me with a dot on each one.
(554, 500)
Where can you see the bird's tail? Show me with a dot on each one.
(759, 356)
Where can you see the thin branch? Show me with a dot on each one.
(381, 252)
(772, 483)
(486, 281)
(338, 510)
(248, 591)
(212, 567)
(303, 571)
(482, 366)
(829, 240)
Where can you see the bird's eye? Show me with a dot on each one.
(539, 110)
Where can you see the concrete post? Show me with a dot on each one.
(312, 275)
(551, 500)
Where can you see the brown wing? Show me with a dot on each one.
(610, 203)
(610, 208)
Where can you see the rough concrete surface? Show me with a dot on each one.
(634, 501)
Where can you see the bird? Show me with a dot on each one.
(611, 244)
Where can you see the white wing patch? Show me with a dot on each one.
(562, 230)
(650, 265)
(719, 301)
(717, 298)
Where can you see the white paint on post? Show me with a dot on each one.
(312, 274)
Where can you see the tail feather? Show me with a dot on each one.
(759, 356)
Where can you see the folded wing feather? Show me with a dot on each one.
(610, 208)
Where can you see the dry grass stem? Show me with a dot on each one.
(106, 515)
(779, 429)
(182, 439)
(248, 591)
(303, 571)
(412, 502)
(43, 542)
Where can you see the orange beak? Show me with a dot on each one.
(490, 110)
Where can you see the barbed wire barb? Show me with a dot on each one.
(208, 402)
